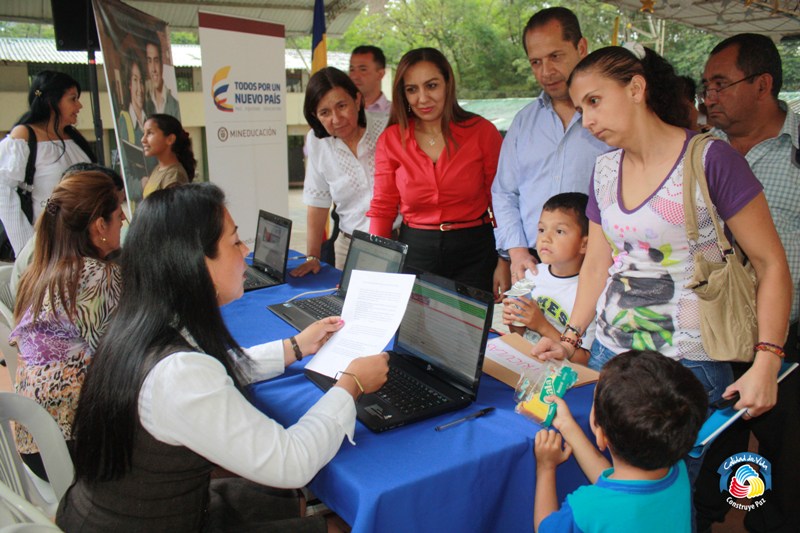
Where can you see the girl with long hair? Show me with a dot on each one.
(435, 163)
(165, 398)
(165, 139)
(66, 298)
(639, 258)
(53, 107)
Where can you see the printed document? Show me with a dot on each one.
(372, 312)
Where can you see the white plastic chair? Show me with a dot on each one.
(7, 322)
(52, 447)
(30, 528)
(6, 298)
(16, 511)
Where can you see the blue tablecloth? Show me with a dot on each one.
(477, 476)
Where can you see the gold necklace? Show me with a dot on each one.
(432, 139)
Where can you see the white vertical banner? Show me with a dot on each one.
(244, 90)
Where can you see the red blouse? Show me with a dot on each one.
(457, 188)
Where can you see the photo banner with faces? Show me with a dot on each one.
(140, 74)
(244, 95)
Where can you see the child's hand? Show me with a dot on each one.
(509, 311)
(519, 330)
(525, 310)
(547, 446)
(547, 349)
(563, 416)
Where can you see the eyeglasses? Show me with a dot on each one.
(705, 92)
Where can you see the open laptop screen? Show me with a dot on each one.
(444, 325)
(272, 241)
(372, 253)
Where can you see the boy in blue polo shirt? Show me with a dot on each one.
(647, 411)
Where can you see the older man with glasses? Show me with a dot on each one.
(741, 82)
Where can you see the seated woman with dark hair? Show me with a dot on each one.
(66, 298)
(164, 400)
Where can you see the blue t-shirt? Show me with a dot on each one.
(663, 505)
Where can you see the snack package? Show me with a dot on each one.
(521, 287)
(553, 378)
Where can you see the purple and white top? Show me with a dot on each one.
(645, 303)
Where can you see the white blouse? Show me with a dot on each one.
(52, 159)
(189, 400)
(334, 174)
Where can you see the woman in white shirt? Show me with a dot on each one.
(54, 104)
(164, 400)
(340, 166)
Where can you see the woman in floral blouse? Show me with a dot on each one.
(66, 298)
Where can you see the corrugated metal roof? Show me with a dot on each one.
(184, 55)
(296, 15)
(777, 19)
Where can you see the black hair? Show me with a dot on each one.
(570, 27)
(689, 88)
(401, 110)
(166, 288)
(650, 407)
(182, 147)
(573, 202)
(153, 40)
(377, 53)
(757, 54)
(94, 167)
(131, 59)
(321, 83)
(47, 89)
(663, 94)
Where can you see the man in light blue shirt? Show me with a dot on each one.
(546, 151)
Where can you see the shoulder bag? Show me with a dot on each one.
(727, 290)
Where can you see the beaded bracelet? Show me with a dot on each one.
(769, 347)
(355, 378)
(575, 343)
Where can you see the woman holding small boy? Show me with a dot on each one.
(639, 259)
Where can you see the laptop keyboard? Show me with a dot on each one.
(408, 394)
(321, 307)
(253, 280)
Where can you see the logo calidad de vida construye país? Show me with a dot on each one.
(745, 476)
(231, 95)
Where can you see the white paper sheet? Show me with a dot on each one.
(372, 312)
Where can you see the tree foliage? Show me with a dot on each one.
(483, 39)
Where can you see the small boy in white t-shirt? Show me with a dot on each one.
(561, 245)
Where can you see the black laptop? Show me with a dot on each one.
(366, 252)
(270, 252)
(436, 363)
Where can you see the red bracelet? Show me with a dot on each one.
(769, 347)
